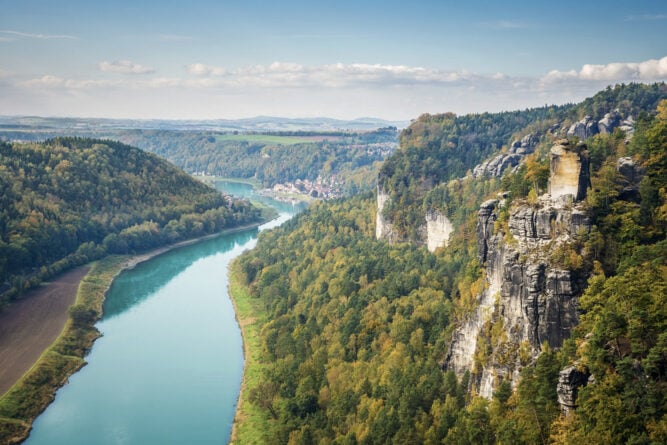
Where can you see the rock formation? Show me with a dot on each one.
(632, 174)
(570, 379)
(609, 122)
(383, 229)
(530, 292)
(497, 165)
(569, 171)
(433, 233)
(584, 129)
(438, 229)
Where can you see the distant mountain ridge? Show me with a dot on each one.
(252, 124)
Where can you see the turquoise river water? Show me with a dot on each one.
(169, 365)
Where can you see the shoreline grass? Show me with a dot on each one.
(250, 423)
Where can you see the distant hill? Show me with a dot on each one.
(253, 124)
(270, 150)
(70, 200)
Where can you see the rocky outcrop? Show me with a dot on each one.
(584, 129)
(587, 127)
(609, 122)
(496, 166)
(631, 174)
(628, 126)
(569, 173)
(434, 233)
(570, 379)
(383, 229)
(530, 293)
(438, 230)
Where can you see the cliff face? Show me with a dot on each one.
(533, 278)
(438, 229)
(383, 228)
(433, 233)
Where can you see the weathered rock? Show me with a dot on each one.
(632, 175)
(495, 167)
(534, 300)
(609, 122)
(631, 172)
(525, 146)
(383, 229)
(570, 379)
(583, 129)
(569, 171)
(485, 221)
(499, 164)
(438, 230)
(628, 126)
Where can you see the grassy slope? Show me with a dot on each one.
(250, 423)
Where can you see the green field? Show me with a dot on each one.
(270, 138)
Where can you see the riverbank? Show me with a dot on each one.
(36, 389)
(250, 423)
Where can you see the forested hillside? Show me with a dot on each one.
(358, 329)
(438, 148)
(269, 158)
(70, 200)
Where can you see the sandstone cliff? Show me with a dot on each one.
(433, 233)
(534, 277)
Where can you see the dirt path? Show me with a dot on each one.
(32, 324)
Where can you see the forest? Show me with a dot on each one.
(68, 201)
(268, 158)
(438, 148)
(357, 329)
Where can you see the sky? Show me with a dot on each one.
(206, 59)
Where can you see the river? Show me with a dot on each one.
(168, 368)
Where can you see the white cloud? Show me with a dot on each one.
(649, 70)
(199, 69)
(285, 74)
(125, 67)
(338, 89)
(29, 35)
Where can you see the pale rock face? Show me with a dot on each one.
(438, 230)
(583, 129)
(609, 122)
(569, 172)
(383, 229)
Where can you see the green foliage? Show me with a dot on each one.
(354, 326)
(436, 149)
(622, 335)
(274, 157)
(353, 331)
(70, 200)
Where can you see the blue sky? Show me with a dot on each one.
(346, 59)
